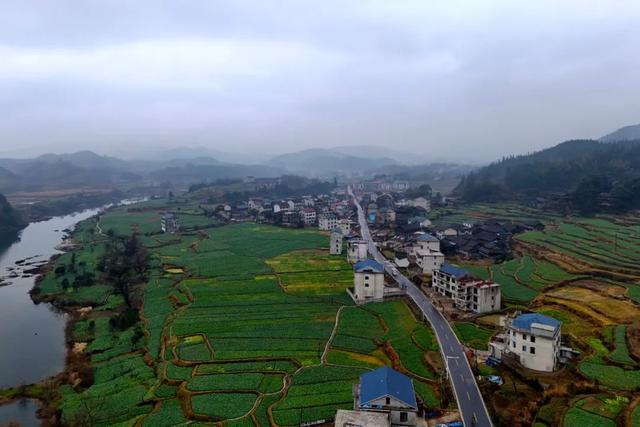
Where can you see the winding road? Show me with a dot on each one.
(472, 408)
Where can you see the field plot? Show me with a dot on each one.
(237, 325)
(590, 245)
(472, 335)
(597, 305)
(600, 410)
(610, 376)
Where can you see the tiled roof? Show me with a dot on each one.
(369, 265)
(524, 321)
(454, 271)
(383, 382)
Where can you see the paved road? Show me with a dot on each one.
(472, 407)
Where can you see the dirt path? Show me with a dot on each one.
(323, 358)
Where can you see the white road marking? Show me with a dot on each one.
(468, 396)
(456, 359)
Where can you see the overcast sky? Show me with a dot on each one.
(458, 80)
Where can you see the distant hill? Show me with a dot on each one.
(377, 152)
(627, 133)
(570, 167)
(10, 220)
(324, 162)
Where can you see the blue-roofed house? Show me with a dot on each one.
(427, 242)
(368, 282)
(531, 339)
(467, 292)
(387, 390)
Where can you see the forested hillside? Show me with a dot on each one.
(593, 175)
(10, 220)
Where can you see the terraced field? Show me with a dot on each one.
(244, 324)
(521, 279)
(599, 410)
(584, 272)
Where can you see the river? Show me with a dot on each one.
(32, 336)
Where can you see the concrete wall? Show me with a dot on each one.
(546, 350)
(335, 244)
(356, 251)
(368, 287)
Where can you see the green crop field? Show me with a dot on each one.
(473, 335)
(236, 324)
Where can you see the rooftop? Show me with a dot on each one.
(524, 321)
(369, 265)
(427, 238)
(454, 271)
(385, 381)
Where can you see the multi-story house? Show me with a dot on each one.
(467, 292)
(328, 221)
(532, 339)
(308, 216)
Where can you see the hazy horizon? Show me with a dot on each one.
(450, 81)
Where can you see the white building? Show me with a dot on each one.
(308, 216)
(400, 185)
(368, 282)
(532, 339)
(427, 242)
(169, 223)
(427, 253)
(421, 202)
(468, 293)
(387, 391)
(429, 261)
(346, 418)
(335, 242)
(345, 226)
(401, 259)
(356, 250)
(328, 221)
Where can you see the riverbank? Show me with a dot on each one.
(36, 329)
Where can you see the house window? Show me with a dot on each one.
(388, 401)
(524, 348)
(532, 350)
(366, 277)
(514, 344)
(366, 284)
(524, 337)
(403, 417)
(533, 339)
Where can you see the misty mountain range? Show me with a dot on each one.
(191, 165)
(186, 165)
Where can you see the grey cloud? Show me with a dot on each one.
(450, 79)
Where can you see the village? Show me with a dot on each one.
(414, 247)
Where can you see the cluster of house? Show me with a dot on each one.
(479, 240)
(393, 209)
(324, 210)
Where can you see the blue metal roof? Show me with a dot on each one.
(427, 238)
(383, 382)
(454, 271)
(369, 265)
(524, 321)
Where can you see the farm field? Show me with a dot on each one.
(245, 324)
(584, 272)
